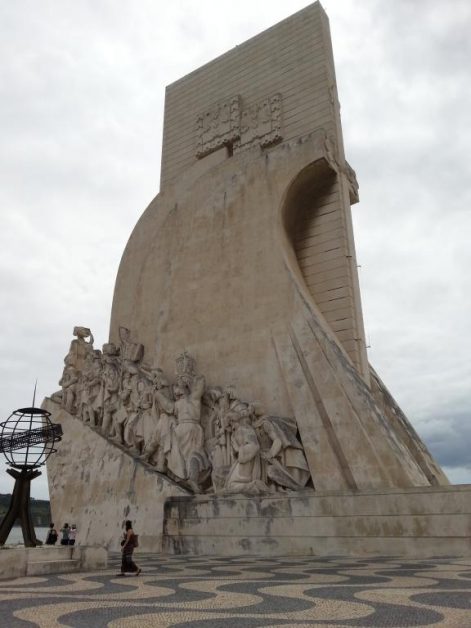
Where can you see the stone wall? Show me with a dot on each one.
(97, 486)
(413, 522)
(287, 59)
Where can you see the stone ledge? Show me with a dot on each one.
(46, 567)
(16, 562)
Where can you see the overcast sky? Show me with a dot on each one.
(81, 107)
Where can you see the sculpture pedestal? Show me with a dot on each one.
(413, 522)
(19, 507)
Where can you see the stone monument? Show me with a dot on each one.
(236, 372)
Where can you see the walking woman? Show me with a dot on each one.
(128, 544)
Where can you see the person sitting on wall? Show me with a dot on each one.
(65, 534)
(72, 534)
(52, 535)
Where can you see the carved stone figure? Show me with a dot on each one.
(246, 472)
(157, 448)
(187, 458)
(131, 352)
(237, 449)
(111, 381)
(74, 363)
(287, 464)
(219, 442)
(91, 389)
(138, 400)
(69, 382)
(141, 428)
(80, 348)
(120, 418)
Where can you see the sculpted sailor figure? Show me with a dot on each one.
(187, 458)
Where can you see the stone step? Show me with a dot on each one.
(376, 502)
(51, 552)
(432, 525)
(46, 567)
(414, 522)
(412, 547)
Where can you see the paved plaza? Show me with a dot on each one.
(209, 592)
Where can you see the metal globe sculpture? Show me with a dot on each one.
(27, 439)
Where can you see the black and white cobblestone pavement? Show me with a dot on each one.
(241, 592)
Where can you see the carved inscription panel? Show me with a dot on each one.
(261, 123)
(230, 123)
(218, 126)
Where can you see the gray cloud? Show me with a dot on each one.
(81, 102)
(448, 436)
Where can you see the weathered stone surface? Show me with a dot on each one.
(97, 486)
(414, 522)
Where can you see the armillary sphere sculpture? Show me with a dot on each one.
(27, 439)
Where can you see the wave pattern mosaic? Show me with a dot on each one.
(210, 592)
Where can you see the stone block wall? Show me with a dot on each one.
(416, 522)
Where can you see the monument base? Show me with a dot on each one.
(413, 522)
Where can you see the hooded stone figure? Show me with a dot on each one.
(286, 463)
